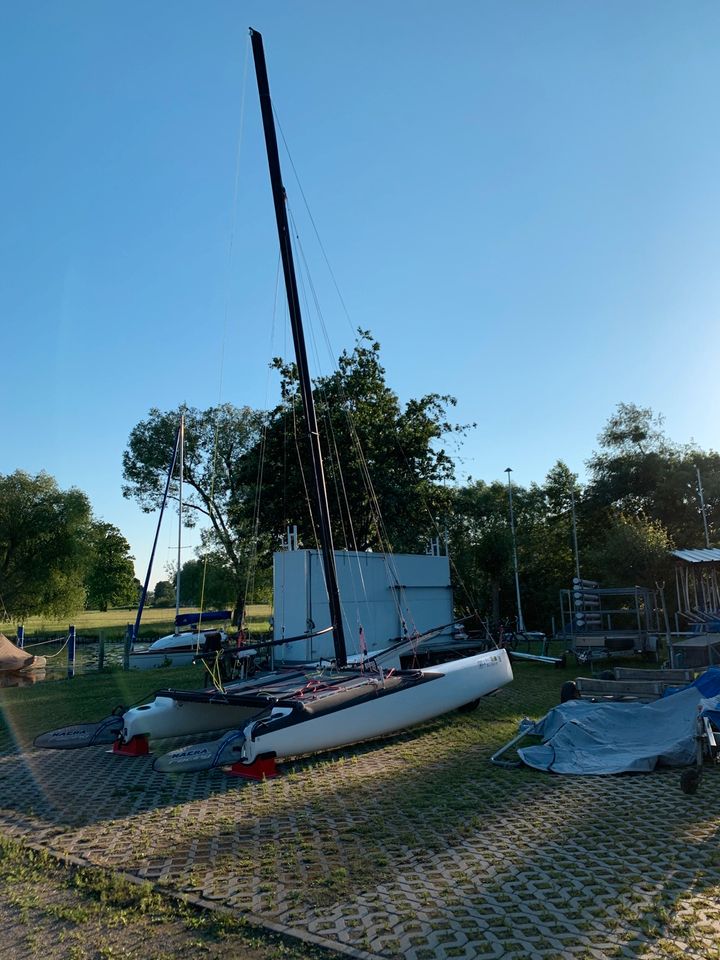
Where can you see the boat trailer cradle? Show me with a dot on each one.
(621, 685)
(624, 684)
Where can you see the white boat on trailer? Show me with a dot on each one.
(182, 647)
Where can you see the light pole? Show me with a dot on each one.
(574, 529)
(521, 622)
(702, 507)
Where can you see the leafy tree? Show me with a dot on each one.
(110, 580)
(248, 473)
(481, 547)
(631, 551)
(164, 594)
(640, 473)
(214, 585)
(545, 544)
(385, 465)
(215, 442)
(633, 429)
(43, 546)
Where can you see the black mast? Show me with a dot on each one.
(321, 500)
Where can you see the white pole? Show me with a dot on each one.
(574, 527)
(702, 507)
(521, 622)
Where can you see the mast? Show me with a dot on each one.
(143, 595)
(320, 490)
(180, 513)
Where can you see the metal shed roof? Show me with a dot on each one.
(706, 555)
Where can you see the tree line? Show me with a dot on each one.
(391, 481)
(56, 557)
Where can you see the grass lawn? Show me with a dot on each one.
(113, 623)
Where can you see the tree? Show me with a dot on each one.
(633, 429)
(215, 441)
(545, 544)
(249, 474)
(43, 546)
(212, 584)
(385, 466)
(631, 551)
(110, 580)
(481, 547)
(164, 594)
(640, 473)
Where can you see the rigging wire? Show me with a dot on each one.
(341, 492)
(312, 221)
(373, 501)
(231, 244)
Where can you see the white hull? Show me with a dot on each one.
(146, 659)
(452, 685)
(165, 717)
(174, 650)
(168, 716)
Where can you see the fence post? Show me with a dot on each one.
(71, 652)
(21, 636)
(101, 651)
(128, 644)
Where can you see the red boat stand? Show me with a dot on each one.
(262, 769)
(135, 747)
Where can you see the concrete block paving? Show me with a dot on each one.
(406, 848)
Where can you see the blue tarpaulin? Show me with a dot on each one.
(582, 737)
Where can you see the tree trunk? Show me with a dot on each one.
(239, 610)
(495, 600)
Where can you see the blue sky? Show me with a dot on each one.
(520, 199)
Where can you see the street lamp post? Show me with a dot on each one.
(521, 622)
(702, 507)
(574, 530)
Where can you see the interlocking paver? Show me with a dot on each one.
(591, 867)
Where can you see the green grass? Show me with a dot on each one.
(28, 711)
(76, 908)
(113, 623)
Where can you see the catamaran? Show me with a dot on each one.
(349, 704)
(300, 710)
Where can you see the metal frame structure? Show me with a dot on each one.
(602, 621)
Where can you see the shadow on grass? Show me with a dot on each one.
(336, 825)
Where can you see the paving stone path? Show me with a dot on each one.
(334, 850)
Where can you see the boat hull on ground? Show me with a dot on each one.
(14, 659)
(167, 717)
(292, 731)
(172, 714)
(177, 713)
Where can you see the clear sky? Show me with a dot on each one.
(520, 199)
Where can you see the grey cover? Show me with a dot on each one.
(599, 738)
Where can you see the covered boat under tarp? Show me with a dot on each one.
(582, 737)
(15, 660)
